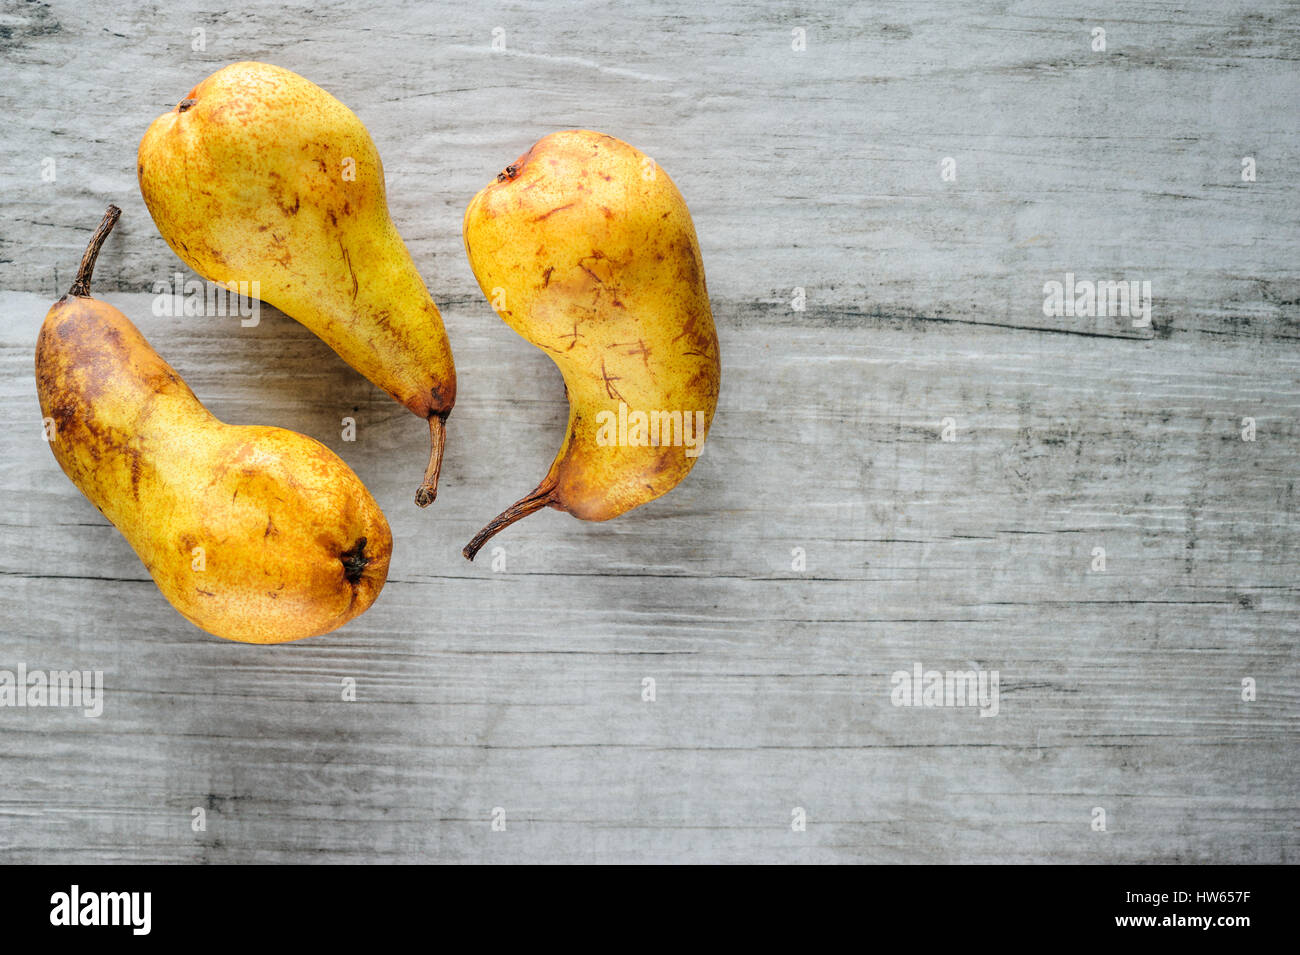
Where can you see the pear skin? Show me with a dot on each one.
(258, 175)
(254, 534)
(587, 250)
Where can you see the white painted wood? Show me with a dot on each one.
(818, 170)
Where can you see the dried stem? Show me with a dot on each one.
(81, 287)
(427, 491)
(539, 498)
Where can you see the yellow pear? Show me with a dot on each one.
(260, 176)
(254, 534)
(587, 250)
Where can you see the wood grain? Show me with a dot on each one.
(818, 171)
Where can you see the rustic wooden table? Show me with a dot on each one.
(912, 463)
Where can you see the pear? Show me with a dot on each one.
(260, 176)
(587, 250)
(254, 534)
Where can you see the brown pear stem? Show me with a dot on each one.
(81, 286)
(427, 491)
(541, 497)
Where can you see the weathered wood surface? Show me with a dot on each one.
(818, 170)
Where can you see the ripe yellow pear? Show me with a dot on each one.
(254, 534)
(260, 176)
(586, 249)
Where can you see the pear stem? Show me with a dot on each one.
(425, 494)
(81, 286)
(542, 496)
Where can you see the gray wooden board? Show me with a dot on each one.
(821, 170)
